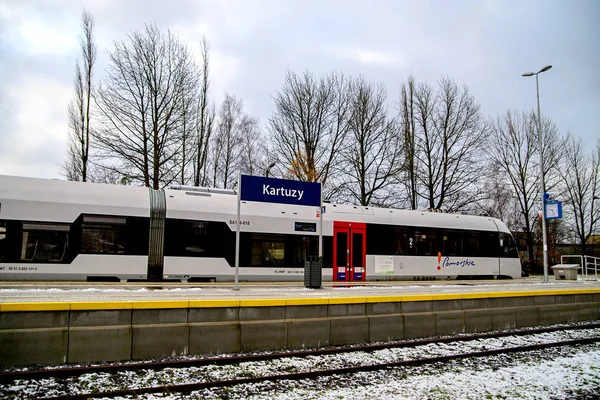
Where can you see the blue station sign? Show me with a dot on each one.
(285, 191)
(553, 209)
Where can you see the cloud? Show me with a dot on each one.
(377, 58)
(483, 44)
(33, 143)
(32, 34)
(35, 37)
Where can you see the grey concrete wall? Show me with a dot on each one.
(28, 338)
(75, 336)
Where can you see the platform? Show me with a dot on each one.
(82, 291)
(58, 323)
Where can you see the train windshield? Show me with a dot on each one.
(508, 246)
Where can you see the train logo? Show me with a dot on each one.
(448, 263)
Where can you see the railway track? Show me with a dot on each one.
(209, 383)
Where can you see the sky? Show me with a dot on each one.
(484, 44)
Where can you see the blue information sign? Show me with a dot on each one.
(273, 190)
(553, 209)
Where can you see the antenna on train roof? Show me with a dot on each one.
(201, 189)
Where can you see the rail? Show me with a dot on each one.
(593, 262)
(185, 376)
(588, 264)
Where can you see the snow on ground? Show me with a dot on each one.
(575, 376)
(553, 374)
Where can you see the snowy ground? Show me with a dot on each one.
(557, 373)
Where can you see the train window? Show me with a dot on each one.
(187, 238)
(509, 246)
(327, 251)
(471, 244)
(137, 237)
(489, 244)
(103, 235)
(341, 251)
(3, 241)
(10, 241)
(268, 251)
(44, 243)
(425, 242)
(451, 243)
(277, 250)
(401, 237)
(389, 240)
(299, 248)
(357, 250)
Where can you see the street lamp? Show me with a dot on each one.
(268, 169)
(543, 186)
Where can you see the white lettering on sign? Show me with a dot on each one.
(282, 192)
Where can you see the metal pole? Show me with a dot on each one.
(543, 185)
(237, 233)
(321, 224)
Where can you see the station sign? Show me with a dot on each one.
(283, 191)
(553, 209)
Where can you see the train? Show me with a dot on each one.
(54, 229)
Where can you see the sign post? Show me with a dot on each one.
(274, 190)
(321, 210)
(237, 234)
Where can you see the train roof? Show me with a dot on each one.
(182, 202)
(34, 199)
(66, 200)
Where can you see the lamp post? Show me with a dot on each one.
(268, 169)
(542, 185)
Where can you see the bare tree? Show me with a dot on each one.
(408, 129)
(188, 135)
(552, 148)
(73, 166)
(228, 143)
(309, 124)
(149, 80)
(206, 118)
(449, 135)
(254, 152)
(580, 175)
(513, 147)
(78, 147)
(500, 201)
(372, 156)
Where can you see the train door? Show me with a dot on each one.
(349, 255)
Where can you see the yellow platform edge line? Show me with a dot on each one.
(263, 302)
(214, 303)
(347, 300)
(101, 305)
(475, 296)
(384, 299)
(448, 296)
(307, 302)
(418, 297)
(34, 306)
(158, 304)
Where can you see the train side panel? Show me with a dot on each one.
(83, 267)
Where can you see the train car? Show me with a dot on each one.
(61, 230)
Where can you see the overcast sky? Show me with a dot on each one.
(484, 44)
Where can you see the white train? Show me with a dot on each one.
(60, 230)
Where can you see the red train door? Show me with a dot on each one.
(349, 255)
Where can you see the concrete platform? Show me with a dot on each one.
(56, 323)
(82, 291)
